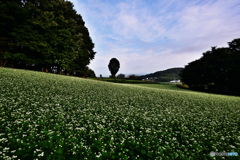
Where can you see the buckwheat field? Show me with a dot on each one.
(48, 116)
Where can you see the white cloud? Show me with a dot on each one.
(136, 22)
(206, 22)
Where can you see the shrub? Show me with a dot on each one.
(134, 77)
(121, 76)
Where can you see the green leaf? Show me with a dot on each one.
(172, 155)
(34, 154)
(131, 152)
(143, 151)
(59, 151)
(44, 143)
(105, 154)
(149, 155)
(25, 155)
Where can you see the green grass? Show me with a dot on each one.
(47, 116)
(116, 80)
(161, 86)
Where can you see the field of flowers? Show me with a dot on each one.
(47, 116)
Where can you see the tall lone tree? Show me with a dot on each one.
(114, 66)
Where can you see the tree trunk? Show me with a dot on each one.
(1, 54)
(4, 63)
(1, 58)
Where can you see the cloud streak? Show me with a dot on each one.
(147, 37)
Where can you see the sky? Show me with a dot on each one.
(153, 35)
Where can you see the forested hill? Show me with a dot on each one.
(165, 75)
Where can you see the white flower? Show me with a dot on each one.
(232, 146)
(14, 156)
(5, 149)
(13, 151)
(41, 154)
(98, 156)
(3, 139)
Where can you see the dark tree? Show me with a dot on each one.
(90, 73)
(234, 46)
(216, 71)
(11, 15)
(47, 35)
(114, 66)
(134, 77)
(85, 52)
(121, 76)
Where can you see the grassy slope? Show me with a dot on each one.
(161, 122)
(122, 80)
(162, 86)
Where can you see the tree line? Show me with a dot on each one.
(217, 71)
(44, 35)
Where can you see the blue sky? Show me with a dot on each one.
(152, 35)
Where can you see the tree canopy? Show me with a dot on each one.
(114, 66)
(44, 35)
(216, 71)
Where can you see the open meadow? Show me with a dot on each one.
(48, 116)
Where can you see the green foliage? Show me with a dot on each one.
(169, 77)
(11, 15)
(134, 77)
(46, 116)
(121, 76)
(90, 73)
(49, 34)
(113, 66)
(215, 71)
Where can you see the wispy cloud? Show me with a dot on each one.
(148, 36)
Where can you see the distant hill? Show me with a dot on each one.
(165, 76)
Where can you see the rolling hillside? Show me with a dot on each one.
(166, 75)
(48, 116)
